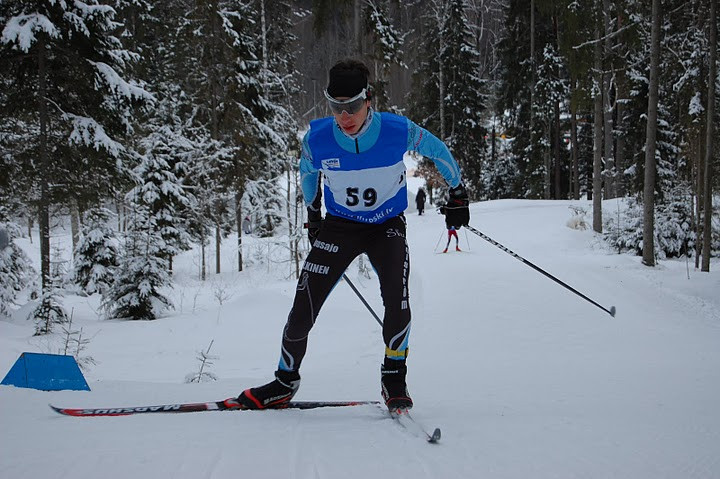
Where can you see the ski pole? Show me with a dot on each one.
(610, 311)
(362, 299)
(436, 244)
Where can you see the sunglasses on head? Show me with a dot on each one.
(351, 106)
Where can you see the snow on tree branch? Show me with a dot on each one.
(22, 28)
(89, 132)
(120, 86)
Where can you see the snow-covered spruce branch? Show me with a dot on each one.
(119, 86)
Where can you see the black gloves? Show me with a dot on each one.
(313, 225)
(456, 210)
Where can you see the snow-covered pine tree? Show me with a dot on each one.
(683, 102)
(160, 174)
(50, 311)
(211, 211)
(295, 214)
(387, 50)
(226, 81)
(574, 25)
(466, 95)
(424, 99)
(639, 74)
(279, 145)
(448, 96)
(680, 132)
(669, 159)
(551, 91)
(96, 255)
(65, 73)
(426, 107)
(264, 203)
(136, 292)
(500, 176)
(16, 270)
(517, 90)
(674, 233)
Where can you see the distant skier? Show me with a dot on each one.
(420, 200)
(246, 225)
(455, 218)
(359, 153)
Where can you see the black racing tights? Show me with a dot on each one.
(340, 241)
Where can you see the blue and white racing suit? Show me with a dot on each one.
(365, 192)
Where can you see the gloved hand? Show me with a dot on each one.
(313, 225)
(456, 209)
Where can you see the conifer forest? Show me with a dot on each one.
(153, 126)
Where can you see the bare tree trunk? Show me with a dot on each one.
(441, 80)
(620, 95)
(298, 221)
(202, 260)
(607, 106)
(215, 101)
(597, 138)
(650, 164)
(263, 26)
(575, 175)
(699, 189)
(74, 224)
(532, 75)
(709, 138)
(547, 154)
(44, 209)
(493, 148)
(238, 220)
(44, 226)
(288, 212)
(218, 242)
(556, 121)
(213, 79)
(440, 10)
(557, 151)
(294, 225)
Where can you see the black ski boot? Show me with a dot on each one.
(394, 389)
(273, 395)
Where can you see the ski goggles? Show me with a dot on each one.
(351, 106)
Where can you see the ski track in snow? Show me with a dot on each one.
(525, 379)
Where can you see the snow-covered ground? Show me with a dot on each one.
(526, 379)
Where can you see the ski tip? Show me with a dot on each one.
(435, 436)
(58, 410)
(66, 411)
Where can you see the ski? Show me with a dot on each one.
(226, 405)
(403, 417)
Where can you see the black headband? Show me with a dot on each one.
(346, 83)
